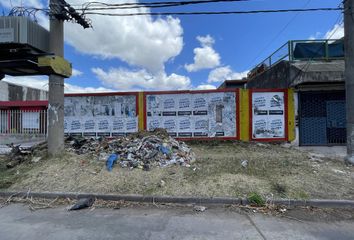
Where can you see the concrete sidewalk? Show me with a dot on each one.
(17, 222)
(339, 152)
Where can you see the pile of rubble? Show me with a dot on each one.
(140, 150)
(19, 154)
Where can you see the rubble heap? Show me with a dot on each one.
(140, 150)
(19, 154)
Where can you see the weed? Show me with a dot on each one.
(256, 199)
(303, 195)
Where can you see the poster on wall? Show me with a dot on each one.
(186, 115)
(100, 115)
(30, 120)
(268, 115)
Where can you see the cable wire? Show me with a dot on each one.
(278, 34)
(338, 21)
(214, 13)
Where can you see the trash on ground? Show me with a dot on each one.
(142, 150)
(286, 145)
(112, 159)
(338, 171)
(36, 159)
(82, 203)
(282, 210)
(244, 163)
(198, 208)
(162, 183)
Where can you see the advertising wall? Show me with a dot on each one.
(193, 114)
(111, 115)
(245, 114)
(268, 114)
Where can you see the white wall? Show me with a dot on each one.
(4, 91)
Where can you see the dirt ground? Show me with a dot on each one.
(272, 170)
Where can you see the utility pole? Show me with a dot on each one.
(60, 11)
(56, 86)
(349, 75)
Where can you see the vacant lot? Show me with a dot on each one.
(222, 169)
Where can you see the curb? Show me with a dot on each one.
(321, 203)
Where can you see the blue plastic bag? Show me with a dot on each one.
(164, 150)
(112, 159)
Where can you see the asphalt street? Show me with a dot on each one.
(18, 222)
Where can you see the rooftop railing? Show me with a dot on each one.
(302, 50)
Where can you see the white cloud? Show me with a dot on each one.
(39, 82)
(317, 35)
(336, 32)
(225, 73)
(18, 3)
(40, 16)
(205, 87)
(42, 83)
(69, 88)
(206, 41)
(205, 57)
(76, 73)
(140, 40)
(123, 79)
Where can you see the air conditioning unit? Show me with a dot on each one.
(23, 32)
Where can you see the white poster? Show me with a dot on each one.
(193, 115)
(268, 115)
(30, 120)
(102, 115)
(131, 125)
(73, 125)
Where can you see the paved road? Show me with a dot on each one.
(17, 222)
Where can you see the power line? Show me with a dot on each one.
(65, 12)
(278, 34)
(214, 13)
(156, 3)
(310, 60)
(338, 21)
(111, 6)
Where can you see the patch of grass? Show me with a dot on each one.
(218, 172)
(279, 188)
(302, 195)
(12, 175)
(256, 199)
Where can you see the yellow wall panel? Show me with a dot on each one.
(141, 116)
(244, 115)
(291, 115)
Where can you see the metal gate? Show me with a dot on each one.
(322, 118)
(19, 126)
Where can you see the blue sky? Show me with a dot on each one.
(180, 52)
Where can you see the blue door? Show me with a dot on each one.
(322, 118)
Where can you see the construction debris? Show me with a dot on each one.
(141, 150)
(20, 154)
